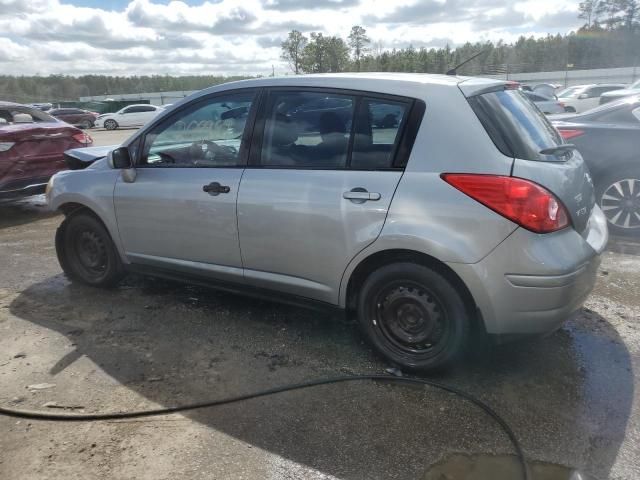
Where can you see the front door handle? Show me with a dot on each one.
(214, 188)
(360, 195)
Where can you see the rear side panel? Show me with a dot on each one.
(37, 152)
(569, 181)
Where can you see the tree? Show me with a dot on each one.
(292, 50)
(611, 9)
(588, 10)
(337, 54)
(359, 43)
(325, 54)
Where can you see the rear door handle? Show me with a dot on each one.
(214, 188)
(360, 195)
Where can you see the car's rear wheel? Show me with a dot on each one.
(86, 124)
(619, 198)
(570, 109)
(110, 124)
(413, 316)
(86, 252)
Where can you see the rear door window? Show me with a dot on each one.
(515, 125)
(307, 130)
(377, 131)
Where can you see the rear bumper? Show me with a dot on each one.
(532, 283)
(35, 188)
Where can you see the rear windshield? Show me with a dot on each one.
(19, 114)
(515, 124)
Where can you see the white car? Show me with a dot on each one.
(580, 98)
(129, 116)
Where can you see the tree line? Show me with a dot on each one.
(26, 89)
(610, 37)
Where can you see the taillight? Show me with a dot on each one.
(521, 201)
(82, 137)
(569, 133)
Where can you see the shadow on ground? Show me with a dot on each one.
(175, 344)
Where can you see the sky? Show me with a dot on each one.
(243, 37)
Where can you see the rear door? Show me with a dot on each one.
(318, 187)
(128, 117)
(521, 131)
(146, 113)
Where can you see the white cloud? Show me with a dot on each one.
(243, 36)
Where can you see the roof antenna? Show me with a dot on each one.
(454, 70)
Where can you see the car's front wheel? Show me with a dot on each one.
(413, 316)
(86, 124)
(619, 198)
(86, 252)
(110, 124)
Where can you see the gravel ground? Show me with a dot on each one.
(570, 397)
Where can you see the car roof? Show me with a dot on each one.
(408, 84)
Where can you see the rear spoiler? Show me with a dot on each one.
(79, 158)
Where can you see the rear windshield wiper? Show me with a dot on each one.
(557, 149)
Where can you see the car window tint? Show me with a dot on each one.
(377, 132)
(11, 114)
(208, 134)
(307, 130)
(514, 124)
(146, 109)
(128, 110)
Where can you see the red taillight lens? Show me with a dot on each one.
(521, 201)
(569, 133)
(82, 137)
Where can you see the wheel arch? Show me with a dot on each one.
(73, 207)
(381, 258)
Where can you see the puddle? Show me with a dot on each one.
(497, 467)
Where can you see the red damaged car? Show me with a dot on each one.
(32, 144)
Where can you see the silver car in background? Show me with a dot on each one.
(547, 105)
(437, 208)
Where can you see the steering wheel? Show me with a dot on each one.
(213, 151)
(166, 158)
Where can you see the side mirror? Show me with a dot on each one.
(121, 159)
(582, 96)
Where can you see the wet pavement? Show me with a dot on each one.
(570, 397)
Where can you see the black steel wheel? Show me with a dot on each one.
(413, 316)
(619, 199)
(87, 253)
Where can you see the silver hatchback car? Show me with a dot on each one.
(436, 207)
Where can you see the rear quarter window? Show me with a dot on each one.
(516, 126)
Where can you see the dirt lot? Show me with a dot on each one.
(570, 398)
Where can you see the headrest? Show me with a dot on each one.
(330, 122)
(284, 131)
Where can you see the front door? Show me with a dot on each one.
(322, 180)
(180, 211)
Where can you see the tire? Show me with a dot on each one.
(618, 195)
(110, 124)
(413, 316)
(86, 124)
(86, 252)
(570, 109)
